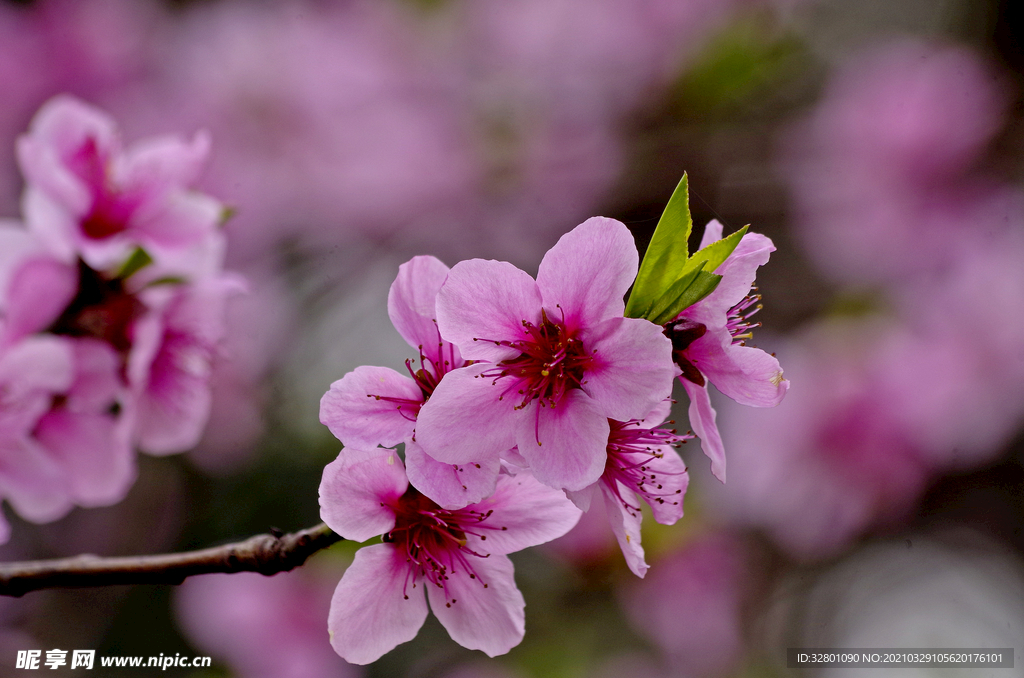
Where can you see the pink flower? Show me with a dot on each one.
(459, 556)
(882, 169)
(642, 464)
(31, 372)
(373, 406)
(843, 453)
(87, 197)
(64, 439)
(708, 344)
(563, 358)
(263, 627)
(690, 607)
(171, 361)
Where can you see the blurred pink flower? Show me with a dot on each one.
(689, 607)
(32, 372)
(170, 365)
(89, 49)
(964, 382)
(565, 358)
(708, 339)
(87, 197)
(263, 627)
(330, 121)
(839, 455)
(460, 556)
(880, 169)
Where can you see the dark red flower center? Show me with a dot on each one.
(434, 540)
(631, 451)
(110, 209)
(684, 332)
(552, 362)
(101, 309)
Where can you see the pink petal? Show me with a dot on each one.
(370, 613)
(180, 219)
(159, 163)
(38, 363)
(583, 498)
(712, 233)
(632, 370)
(413, 310)
(91, 444)
(738, 272)
(746, 374)
(465, 420)
(39, 291)
(32, 482)
(450, 486)
(702, 420)
(524, 513)
(50, 150)
(175, 404)
(657, 415)
(54, 225)
(97, 382)
(489, 619)
(357, 489)
(94, 451)
(356, 416)
(588, 271)
(173, 411)
(17, 245)
(486, 301)
(625, 526)
(566, 446)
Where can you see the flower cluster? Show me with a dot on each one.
(530, 399)
(112, 297)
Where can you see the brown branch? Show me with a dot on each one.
(265, 553)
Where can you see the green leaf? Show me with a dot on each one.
(168, 280)
(138, 260)
(667, 301)
(665, 259)
(685, 292)
(717, 252)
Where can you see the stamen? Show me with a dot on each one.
(551, 362)
(631, 451)
(738, 319)
(434, 540)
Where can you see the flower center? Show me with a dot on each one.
(434, 540)
(631, 451)
(102, 309)
(110, 212)
(552, 361)
(684, 332)
(106, 218)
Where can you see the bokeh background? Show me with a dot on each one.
(878, 143)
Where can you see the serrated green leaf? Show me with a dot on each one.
(666, 256)
(717, 252)
(138, 260)
(701, 285)
(667, 301)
